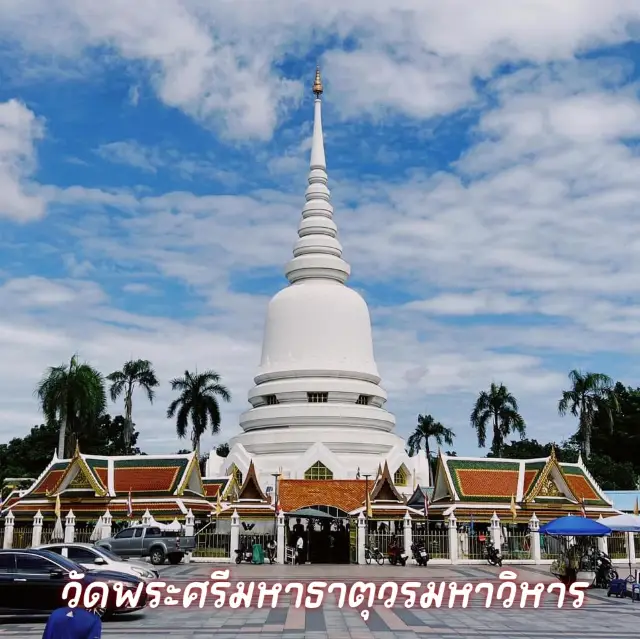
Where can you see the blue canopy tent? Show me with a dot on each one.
(575, 527)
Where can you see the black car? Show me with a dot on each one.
(32, 582)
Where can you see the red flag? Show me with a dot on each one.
(129, 505)
(426, 504)
(277, 507)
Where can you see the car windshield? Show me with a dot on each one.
(65, 563)
(108, 554)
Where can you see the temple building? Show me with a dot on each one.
(317, 408)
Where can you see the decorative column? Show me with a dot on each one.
(235, 534)
(453, 539)
(281, 539)
(189, 531)
(408, 537)
(603, 542)
(36, 536)
(362, 537)
(107, 520)
(9, 522)
(631, 547)
(534, 535)
(495, 531)
(69, 527)
(147, 518)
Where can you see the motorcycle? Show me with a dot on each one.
(605, 572)
(244, 553)
(395, 555)
(493, 555)
(420, 554)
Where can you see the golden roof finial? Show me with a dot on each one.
(553, 451)
(317, 85)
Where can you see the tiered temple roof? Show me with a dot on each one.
(166, 485)
(472, 486)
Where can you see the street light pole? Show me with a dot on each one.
(275, 476)
(366, 501)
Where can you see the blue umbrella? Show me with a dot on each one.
(575, 527)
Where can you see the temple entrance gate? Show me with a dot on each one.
(326, 532)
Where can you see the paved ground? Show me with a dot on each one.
(600, 616)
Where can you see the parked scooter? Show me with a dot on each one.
(395, 554)
(605, 572)
(420, 554)
(493, 555)
(244, 553)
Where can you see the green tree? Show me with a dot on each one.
(109, 438)
(134, 373)
(74, 398)
(426, 429)
(532, 449)
(197, 405)
(497, 408)
(223, 450)
(591, 397)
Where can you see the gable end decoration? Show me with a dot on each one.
(384, 489)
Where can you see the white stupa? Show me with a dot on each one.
(317, 407)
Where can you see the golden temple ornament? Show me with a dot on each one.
(317, 85)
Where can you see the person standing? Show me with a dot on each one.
(300, 550)
(73, 623)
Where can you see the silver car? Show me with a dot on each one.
(99, 559)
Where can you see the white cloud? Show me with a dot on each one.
(475, 303)
(19, 130)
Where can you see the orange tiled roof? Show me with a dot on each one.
(148, 479)
(345, 494)
(529, 476)
(581, 487)
(486, 483)
(49, 481)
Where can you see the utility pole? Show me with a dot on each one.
(366, 502)
(275, 476)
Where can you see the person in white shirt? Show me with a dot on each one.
(299, 550)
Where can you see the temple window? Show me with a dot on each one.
(318, 471)
(363, 400)
(272, 400)
(234, 471)
(317, 398)
(400, 477)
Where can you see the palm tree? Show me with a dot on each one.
(138, 372)
(499, 408)
(198, 403)
(591, 397)
(72, 396)
(426, 429)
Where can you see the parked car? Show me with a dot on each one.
(100, 559)
(32, 582)
(149, 541)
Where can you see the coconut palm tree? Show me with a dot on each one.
(499, 409)
(426, 429)
(198, 404)
(591, 397)
(72, 396)
(138, 372)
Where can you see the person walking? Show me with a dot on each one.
(73, 623)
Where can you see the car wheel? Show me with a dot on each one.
(157, 557)
(104, 614)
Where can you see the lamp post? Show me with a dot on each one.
(366, 501)
(275, 476)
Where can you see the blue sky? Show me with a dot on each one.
(483, 165)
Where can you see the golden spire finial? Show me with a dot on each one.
(317, 85)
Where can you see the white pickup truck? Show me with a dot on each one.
(149, 541)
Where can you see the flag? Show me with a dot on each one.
(218, 505)
(471, 524)
(58, 507)
(583, 509)
(278, 509)
(358, 473)
(129, 505)
(635, 508)
(514, 511)
(369, 510)
(426, 504)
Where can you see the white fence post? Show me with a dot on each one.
(631, 547)
(495, 531)
(9, 523)
(107, 520)
(534, 533)
(362, 538)
(408, 536)
(603, 542)
(36, 536)
(453, 539)
(281, 542)
(234, 541)
(69, 527)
